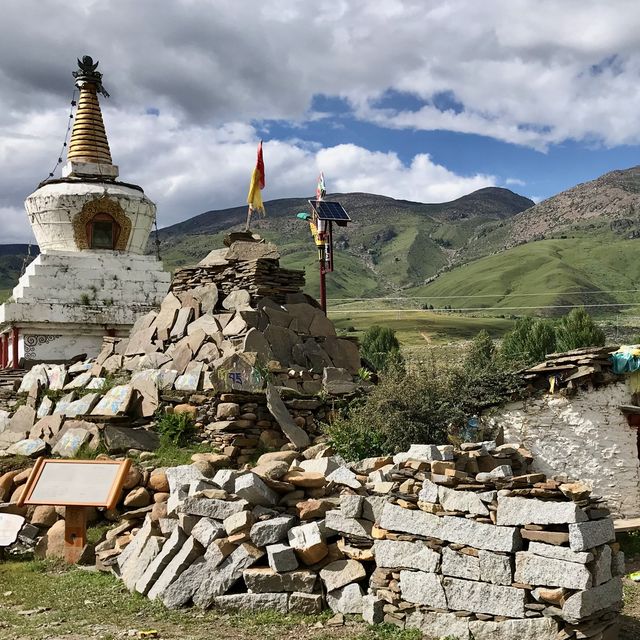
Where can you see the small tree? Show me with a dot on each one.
(481, 353)
(577, 329)
(529, 341)
(381, 347)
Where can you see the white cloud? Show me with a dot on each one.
(533, 76)
(190, 169)
(515, 182)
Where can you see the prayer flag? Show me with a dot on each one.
(320, 189)
(254, 198)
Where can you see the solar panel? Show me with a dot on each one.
(328, 210)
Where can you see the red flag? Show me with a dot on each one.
(260, 165)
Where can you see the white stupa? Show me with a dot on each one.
(91, 278)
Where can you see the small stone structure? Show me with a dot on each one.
(463, 543)
(91, 276)
(581, 428)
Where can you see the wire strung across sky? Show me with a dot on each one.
(488, 295)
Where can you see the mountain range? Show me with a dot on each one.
(492, 249)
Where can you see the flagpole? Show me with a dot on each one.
(249, 213)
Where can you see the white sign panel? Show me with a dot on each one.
(90, 483)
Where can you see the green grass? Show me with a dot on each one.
(172, 455)
(544, 273)
(89, 604)
(416, 327)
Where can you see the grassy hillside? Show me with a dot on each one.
(390, 245)
(540, 274)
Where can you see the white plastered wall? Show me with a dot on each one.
(585, 437)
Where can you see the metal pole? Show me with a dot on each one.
(323, 289)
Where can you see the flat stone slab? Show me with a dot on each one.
(115, 402)
(584, 603)
(424, 588)
(464, 501)
(341, 573)
(405, 555)
(521, 511)
(560, 553)
(547, 572)
(266, 580)
(211, 508)
(278, 602)
(586, 535)
(480, 597)
(452, 529)
(293, 432)
(71, 442)
(460, 565)
(533, 629)
(30, 448)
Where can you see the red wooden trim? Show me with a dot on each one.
(14, 347)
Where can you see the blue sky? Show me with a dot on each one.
(414, 100)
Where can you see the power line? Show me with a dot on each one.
(549, 306)
(488, 295)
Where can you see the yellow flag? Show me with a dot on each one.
(254, 199)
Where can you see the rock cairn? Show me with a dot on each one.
(249, 265)
(269, 537)
(462, 543)
(203, 344)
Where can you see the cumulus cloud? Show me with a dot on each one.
(190, 79)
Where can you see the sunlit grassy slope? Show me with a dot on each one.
(569, 271)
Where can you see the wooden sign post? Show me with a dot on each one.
(75, 485)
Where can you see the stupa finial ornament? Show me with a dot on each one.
(89, 154)
(88, 73)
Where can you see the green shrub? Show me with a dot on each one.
(427, 404)
(380, 347)
(481, 353)
(577, 329)
(528, 342)
(176, 428)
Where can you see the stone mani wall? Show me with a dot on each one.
(585, 436)
(457, 543)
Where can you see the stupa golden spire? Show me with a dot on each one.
(89, 139)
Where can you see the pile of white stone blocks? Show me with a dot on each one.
(492, 555)
(460, 543)
(242, 539)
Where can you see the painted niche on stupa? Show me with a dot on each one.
(102, 224)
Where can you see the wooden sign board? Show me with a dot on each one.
(75, 485)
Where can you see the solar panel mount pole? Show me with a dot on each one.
(323, 287)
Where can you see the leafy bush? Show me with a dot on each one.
(176, 428)
(481, 353)
(380, 347)
(425, 404)
(577, 329)
(528, 342)
(533, 338)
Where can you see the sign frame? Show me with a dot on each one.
(75, 521)
(109, 503)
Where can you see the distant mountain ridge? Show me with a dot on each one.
(491, 249)
(613, 198)
(391, 244)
